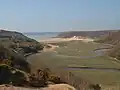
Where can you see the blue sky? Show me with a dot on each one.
(59, 15)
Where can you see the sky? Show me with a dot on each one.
(59, 15)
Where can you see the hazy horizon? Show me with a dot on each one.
(59, 15)
(33, 31)
(37, 32)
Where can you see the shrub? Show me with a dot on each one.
(39, 46)
(7, 76)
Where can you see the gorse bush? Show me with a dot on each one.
(7, 56)
(9, 75)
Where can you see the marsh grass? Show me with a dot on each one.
(62, 58)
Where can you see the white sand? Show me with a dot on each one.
(54, 40)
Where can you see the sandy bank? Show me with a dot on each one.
(52, 47)
(50, 87)
(54, 40)
(57, 40)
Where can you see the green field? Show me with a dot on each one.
(79, 54)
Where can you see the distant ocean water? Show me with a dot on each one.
(41, 35)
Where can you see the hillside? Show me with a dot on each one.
(85, 33)
(14, 34)
(14, 48)
(107, 36)
(111, 38)
(114, 39)
(18, 41)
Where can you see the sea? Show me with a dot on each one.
(41, 35)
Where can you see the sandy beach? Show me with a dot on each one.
(55, 40)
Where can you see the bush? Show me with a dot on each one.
(39, 46)
(5, 75)
(29, 49)
(7, 56)
(4, 53)
(9, 75)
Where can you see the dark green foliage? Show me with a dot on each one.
(9, 75)
(3, 53)
(15, 47)
(5, 75)
(17, 78)
(29, 49)
(33, 48)
(11, 58)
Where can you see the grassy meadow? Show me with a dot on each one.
(79, 54)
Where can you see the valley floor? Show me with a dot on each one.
(79, 54)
